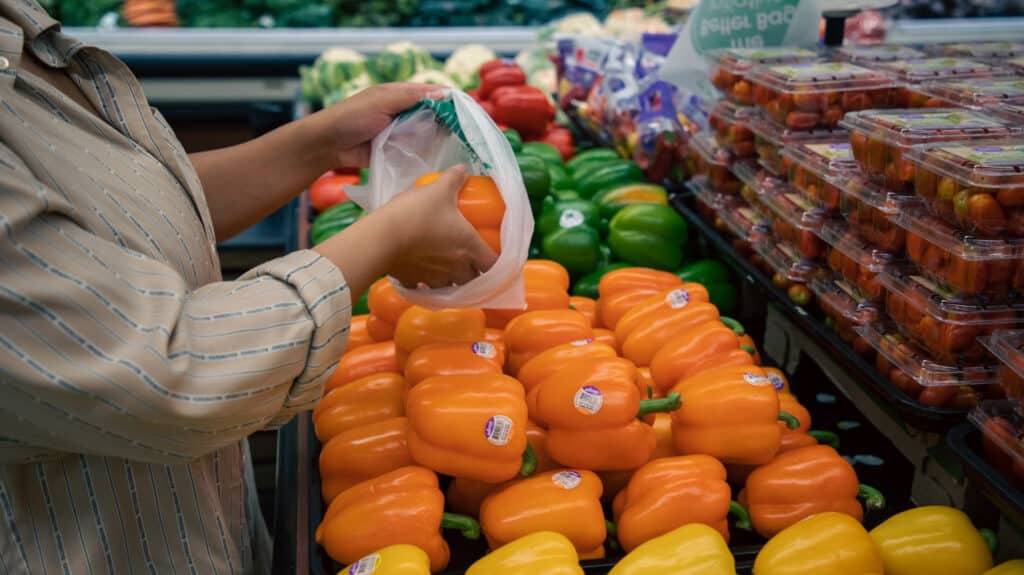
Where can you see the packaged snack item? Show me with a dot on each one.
(881, 138)
(855, 260)
(924, 378)
(1002, 427)
(662, 142)
(990, 50)
(728, 121)
(729, 68)
(844, 309)
(713, 161)
(976, 93)
(770, 138)
(583, 60)
(947, 328)
(912, 73)
(1008, 347)
(963, 265)
(869, 207)
(817, 95)
(794, 220)
(814, 166)
(977, 186)
(874, 53)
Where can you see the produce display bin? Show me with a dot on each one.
(966, 442)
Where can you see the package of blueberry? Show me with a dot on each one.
(662, 142)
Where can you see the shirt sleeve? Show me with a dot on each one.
(105, 351)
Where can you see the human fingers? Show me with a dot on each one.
(451, 180)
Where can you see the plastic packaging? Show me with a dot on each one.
(844, 309)
(880, 138)
(1017, 65)
(770, 138)
(869, 207)
(1014, 113)
(728, 121)
(817, 95)
(794, 220)
(785, 260)
(948, 329)
(813, 167)
(991, 50)
(713, 161)
(730, 215)
(431, 137)
(913, 73)
(1002, 428)
(729, 68)
(874, 53)
(855, 260)
(922, 369)
(976, 93)
(963, 265)
(661, 141)
(755, 179)
(1008, 347)
(979, 187)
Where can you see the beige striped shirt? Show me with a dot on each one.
(130, 373)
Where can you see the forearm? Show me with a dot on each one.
(247, 182)
(364, 251)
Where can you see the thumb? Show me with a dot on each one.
(452, 179)
(482, 254)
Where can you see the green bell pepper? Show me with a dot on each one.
(609, 174)
(715, 277)
(543, 150)
(535, 178)
(578, 248)
(560, 178)
(586, 286)
(333, 220)
(563, 195)
(648, 235)
(611, 200)
(567, 214)
(514, 140)
(361, 306)
(591, 157)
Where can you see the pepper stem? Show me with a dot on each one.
(467, 525)
(873, 498)
(825, 438)
(670, 402)
(990, 539)
(613, 534)
(733, 325)
(742, 516)
(791, 421)
(748, 349)
(529, 464)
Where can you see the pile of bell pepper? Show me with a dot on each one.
(524, 426)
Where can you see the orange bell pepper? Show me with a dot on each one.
(379, 329)
(495, 336)
(536, 331)
(480, 202)
(607, 337)
(729, 413)
(586, 306)
(549, 361)
(801, 483)
(646, 382)
(668, 493)
(362, 453)
(565, 501)
(748, 342)
(358, 335)
(591, 410)
(465, 495)
(651, 336)
(477, 358)
(372, 398)
(548, 271)
(386, 306)
(614, 482)
(419, 326)
(404, 506)
(546, 285)
(621, 290)
(673, 299)
(703, 346)
(470, 426)
(363, 361)
(663, 446)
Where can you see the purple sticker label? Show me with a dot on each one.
(567, 479)
(498, 430)
(588, 399)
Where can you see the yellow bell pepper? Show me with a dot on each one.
(936, 540)
(693, 549)
(825, 544)
(544, 552)
(1011, 567)
(391, 560)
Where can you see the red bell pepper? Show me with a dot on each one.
(561, 139)
(525, 109)
(503, 75)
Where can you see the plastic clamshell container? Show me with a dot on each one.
(755, 181)
(795, 220)
(728, 121)
(982, 49)
(845, 308)
(947, 328)
(855, 260)
(917, 70)
(785, 260)
(818, 94)
(814, 166)
(873, 53)
(1008, 347)
(770, 138)
(977, 93)
(729, 68)
(1011, 112)
(1002, 428)
(713, 161)
(881, 138)
(963, 265)
(869, 206)
(917, 365)
(976, 186)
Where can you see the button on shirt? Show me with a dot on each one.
(130, 373)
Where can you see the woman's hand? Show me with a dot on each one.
(419, 238)
(352, 123)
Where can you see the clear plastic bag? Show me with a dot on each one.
(431, 137)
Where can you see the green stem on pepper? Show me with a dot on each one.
(467, 525)
(529, 464)
(742, 515)
(791, 421)
(671, 402)
(873, 498)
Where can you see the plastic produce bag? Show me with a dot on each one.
(431, 137)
